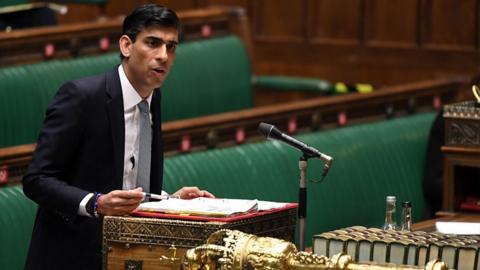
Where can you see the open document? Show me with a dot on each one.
(202, 206)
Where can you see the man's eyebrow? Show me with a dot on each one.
(154, 38)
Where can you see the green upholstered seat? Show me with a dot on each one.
(371, 161)
(17, 214)
(208, 77)
(27, 90)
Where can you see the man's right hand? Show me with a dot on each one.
(119, 202)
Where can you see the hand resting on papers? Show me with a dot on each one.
(123, 202)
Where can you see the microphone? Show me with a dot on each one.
(271, 132)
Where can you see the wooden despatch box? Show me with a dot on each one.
(462, 124)
(461, 161)
(158, 243)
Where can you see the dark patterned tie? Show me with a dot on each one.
(144, 149)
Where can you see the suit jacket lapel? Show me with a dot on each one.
(117, 123)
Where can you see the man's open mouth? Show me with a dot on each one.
(159, 71)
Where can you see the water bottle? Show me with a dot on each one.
(390, 223)
(406, 216)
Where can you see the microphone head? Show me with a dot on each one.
(269, 131)
(265, 129)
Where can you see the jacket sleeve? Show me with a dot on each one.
(46, 180)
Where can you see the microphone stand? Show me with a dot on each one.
(302, 200)
(302, 196)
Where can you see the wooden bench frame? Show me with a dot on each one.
(72, 40)
(313, 114)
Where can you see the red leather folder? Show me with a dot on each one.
(288, 206)
(471, 204)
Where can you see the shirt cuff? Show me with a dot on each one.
(82, 209)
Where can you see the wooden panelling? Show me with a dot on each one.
(238, 3)
(392, 23)
(81, 13)
(91, 12)
(279, 20)
(452, 24)
(80, 39)
(378, 66)
(181, 5)
(115, 8)
(375, 41)
(335, 21)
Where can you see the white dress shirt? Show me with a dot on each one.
(131, 113)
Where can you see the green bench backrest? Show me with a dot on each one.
(12, 2)
(26, 91)
(208, 77)
(371, 161)
(16, 223)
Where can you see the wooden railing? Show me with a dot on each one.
(240, 127)
(313, 114)
(72, 40)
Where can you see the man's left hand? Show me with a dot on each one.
(192, 193)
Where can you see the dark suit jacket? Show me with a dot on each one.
(80, 150)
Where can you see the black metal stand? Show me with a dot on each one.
(302, 200)
(302, 194)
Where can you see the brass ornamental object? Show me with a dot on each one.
(235, 250)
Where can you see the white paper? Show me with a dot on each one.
(465, 228)
(266, 205)
(201, 206)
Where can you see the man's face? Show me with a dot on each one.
(149, 59)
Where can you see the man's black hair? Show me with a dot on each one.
(149, 15)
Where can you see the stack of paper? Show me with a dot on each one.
(202, 206)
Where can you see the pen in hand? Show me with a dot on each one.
(159, 197)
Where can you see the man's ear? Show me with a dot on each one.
(125, 44)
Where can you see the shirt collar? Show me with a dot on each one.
(130, 96)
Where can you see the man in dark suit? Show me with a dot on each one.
(88, 161)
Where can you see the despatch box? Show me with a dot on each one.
(462, 124)
(159, 241)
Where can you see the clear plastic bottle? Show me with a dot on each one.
(406, 216)
(390, 223)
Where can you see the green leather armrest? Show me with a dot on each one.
(287, 83)
(16, 223)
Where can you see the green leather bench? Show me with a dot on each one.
(209, 76)
(371, 161)
(199, 84)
